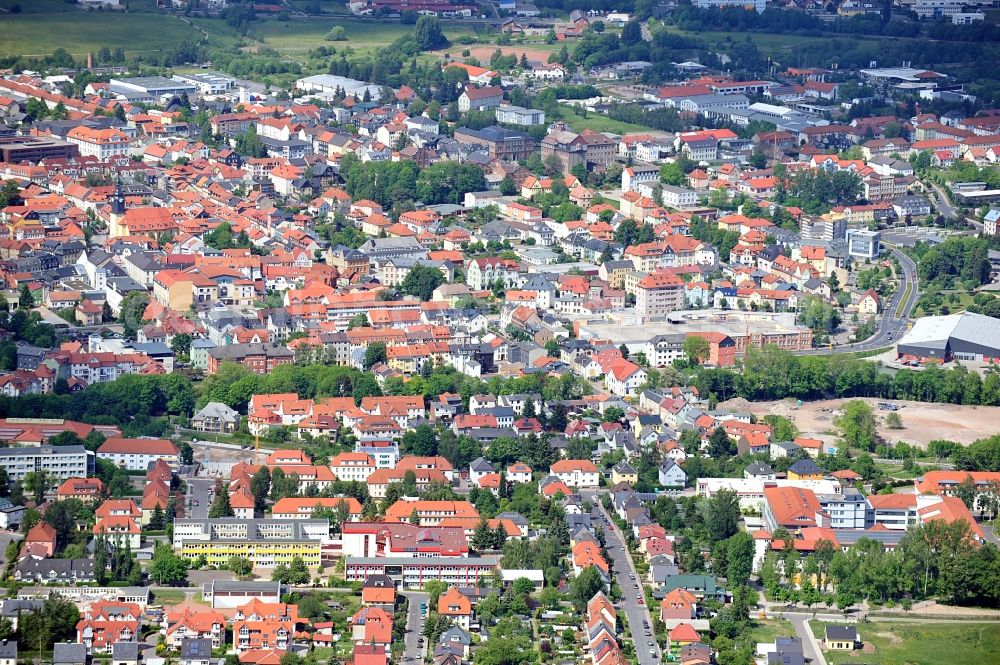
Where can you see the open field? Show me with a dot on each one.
(297, 36)
(766, 630)
(596, 122)
(923, 422)
(38, 34)
(891, 643)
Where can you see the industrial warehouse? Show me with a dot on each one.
(964, 336)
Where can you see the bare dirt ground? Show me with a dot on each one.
(922, 422)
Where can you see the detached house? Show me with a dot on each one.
(457, 607)
(480, 99)
(576, 473)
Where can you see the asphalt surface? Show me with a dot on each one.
(942, 203)
(197, 490)
(621, 563)
(810, 645)
(890, 327)
(413, 652)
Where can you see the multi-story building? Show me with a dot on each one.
(259, 358)
(403, 540)
(849, 510)
(414, 572)
(62, 461)
(658, 294)
(352, 466)
(663, 350)
(302, 508)
(265, 543)
(508, 145)
(138, 454)
(480, 99)
(484, 273)
(863, 244)
(588, 148)
(101, 143)
(576, 473)
(518, 115)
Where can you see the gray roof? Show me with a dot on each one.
(196, 648)
(481, 465)
(937, 331)
(805, 466)
(218, 410)
(8, 649)
(841, 633)
(69, 653)
(127, 650)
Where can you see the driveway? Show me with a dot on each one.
(413, 652)
(621, 563)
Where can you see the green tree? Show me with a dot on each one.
(157, 521)
(427, 33)
(421, 282)
(167, 568)
(293, 573)
(132, 309)
(740, 554)
(220, 505)
(240, 565)
(696, 349)
(722, 515)
(260, 487)
(374, 354)
(856, 423)
(585, 585)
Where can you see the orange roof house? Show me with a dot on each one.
(40, 541)
(456, 606)
(371, 625)
(790, 507)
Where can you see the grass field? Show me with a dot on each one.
(38, 34)
(597, 122)
(297, 36)
(766, 630)
(897, 643)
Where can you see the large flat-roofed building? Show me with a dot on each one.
(233, 593)
(16, 149)
(414, 572)
(264, 542)
(208, 83)
(328, 84)
(964, 336)
(149, 88)
(745, 329)
(60, 461)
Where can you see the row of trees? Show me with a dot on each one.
(772, 373)
(935, 560)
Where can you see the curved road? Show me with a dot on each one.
(896, 314)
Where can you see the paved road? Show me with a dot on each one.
(413, 652)
(197, 490)
(942, 203)
(890, 327)
(810, 645)
(622, 564)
